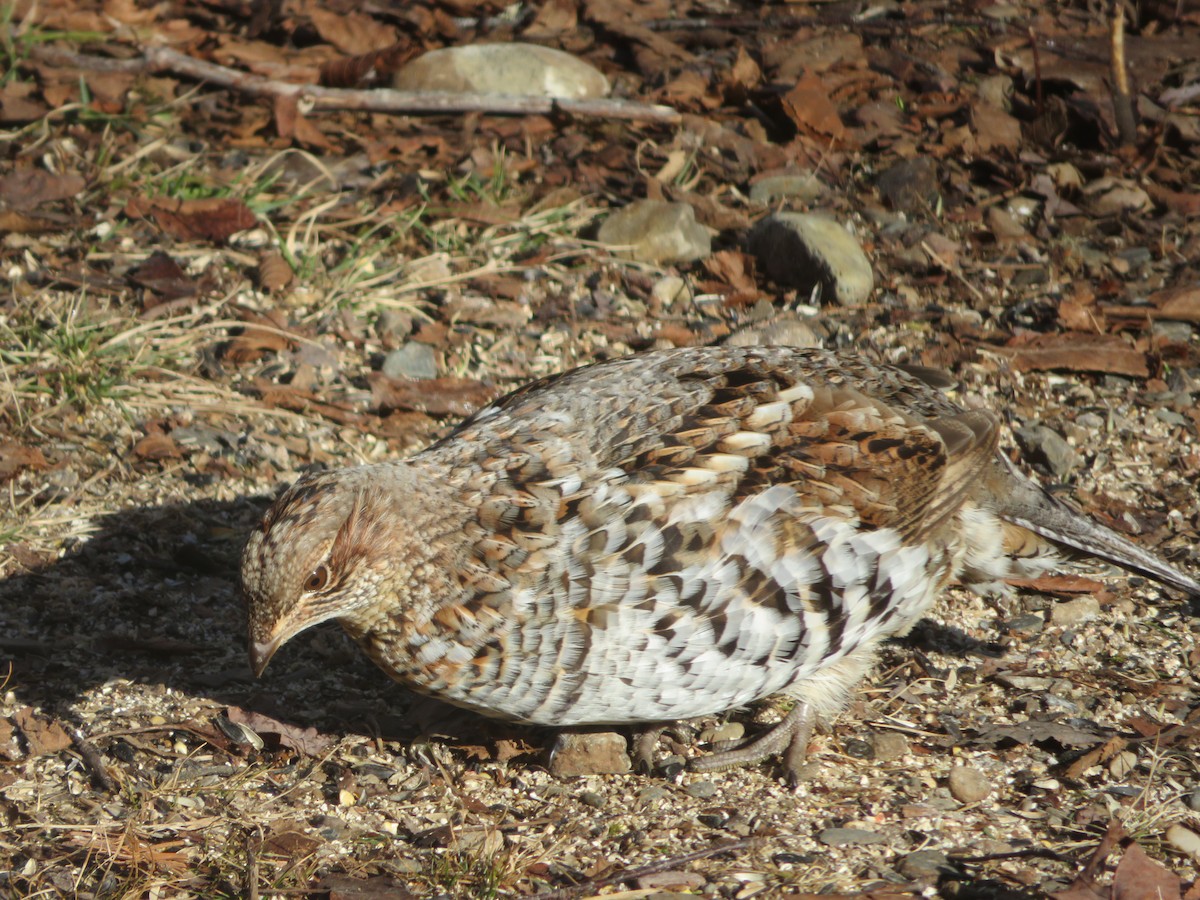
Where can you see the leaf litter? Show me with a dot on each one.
(206, 279)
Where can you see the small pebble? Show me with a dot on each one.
(1075, 612)
(1193, 800)
(859, 749)
(726, 731)
(413, 360)
(1185, 840)
(597, 753)
(652, 794)
(1122, 764)
(924, 864)
(1029, 623)
(592, 799)
(846, 837)
(701, 789)
(889, 745)
(968, 785)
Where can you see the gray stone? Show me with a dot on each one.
(701, 790)
(1193, 800)
(412, 360)
(805, 250)
(1027, 623)
(802, 186)
(968, 785)
(910, 184)
(888, 745)
(1047, 447)
(652, 794)
(655, 231)
(924, 864)
(787, 330)
(592, 799)
(848, 837)
(393, 324)
(515, 68)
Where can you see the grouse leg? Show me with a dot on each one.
(789, 738)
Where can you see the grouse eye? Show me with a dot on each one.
(317, 580)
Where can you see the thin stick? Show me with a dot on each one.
(1122, 102)
(1037, 72)
(93, 760)
(664, 865)
(311, 97)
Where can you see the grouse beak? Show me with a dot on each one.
(261, 653)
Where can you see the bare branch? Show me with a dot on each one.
(311, 97)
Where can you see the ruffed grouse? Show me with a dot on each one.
(665, 536)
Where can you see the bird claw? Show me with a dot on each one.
(789, 739)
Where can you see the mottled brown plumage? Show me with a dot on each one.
(665, 536)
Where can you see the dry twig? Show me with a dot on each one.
(311, 97)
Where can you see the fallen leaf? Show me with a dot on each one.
(7, 750)
(1074, 352)
(26, 188)
(290, 844)
(1138, 877)
(351, 31)
(14, 457)
(1182, 303)
(1096, 756)
(375, 887)
(305, 741)
(213, 219)
(436, 396)
(161, 275)
(811, 110)
(42, 735)
(157, 446)
(1039, 731)
(274, 274)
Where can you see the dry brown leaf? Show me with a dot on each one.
(552, 18)
(274, 274)
(994, 129)
(812, 111)
(158, 446)
(1181, 303)
(305, 741)
(213, 219)
(436, 396)
(1096, 756)
(7, 750)
(1074, 352)
(1138, 877)
(163, 277)
(367, 68)
(19, 103)
(42, 735)
(293, 845)
(27, 188)
(252, 344)
(350, 31)
(14, 457)
(287, 397)
(15, 222)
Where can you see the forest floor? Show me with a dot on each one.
(203, 287)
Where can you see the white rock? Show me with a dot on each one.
(503, 69)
